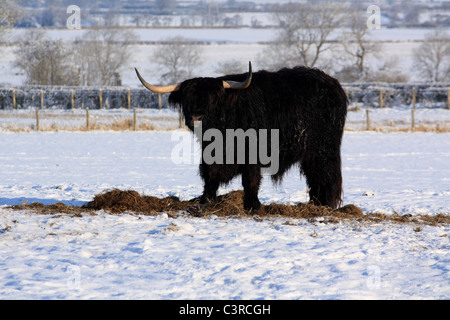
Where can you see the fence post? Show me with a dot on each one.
(381, 99)
(37, 119)
(88, 125)
(72, 99)
(448, 98)
(159, 101)
(367, 119)
(413, 120)
(100, 98)
(180, 119)
(129, 98)
(134, 119)
(14, 99)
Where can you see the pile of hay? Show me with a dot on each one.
(228, 205)
(118, 201)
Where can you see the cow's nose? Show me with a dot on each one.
(194, 119)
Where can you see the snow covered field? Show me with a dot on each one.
(128, 256)
(106, 119)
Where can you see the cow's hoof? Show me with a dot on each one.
(205, 199)
(252, 204)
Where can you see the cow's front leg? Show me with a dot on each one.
(211, 184)
(209, 192)
(251, 180)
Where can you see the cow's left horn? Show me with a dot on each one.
(158, 89)
(240, 85)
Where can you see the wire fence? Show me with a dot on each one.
(373, 106)
(52, 97)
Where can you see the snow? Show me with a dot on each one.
(128, 256)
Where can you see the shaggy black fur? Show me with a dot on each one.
(307, 106)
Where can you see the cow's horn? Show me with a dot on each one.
(158, 89)
(240, 85)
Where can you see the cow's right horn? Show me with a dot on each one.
(240, 85)
(158, 89)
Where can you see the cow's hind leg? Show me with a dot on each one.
(323, 176)
(251, 180)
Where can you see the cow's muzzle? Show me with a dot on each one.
(192, 119)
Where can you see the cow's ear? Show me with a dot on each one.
(175, 99)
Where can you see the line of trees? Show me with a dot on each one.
(330, 35)
(309, 30)
(94, 60)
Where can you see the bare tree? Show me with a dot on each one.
(177, 59)
(45, 61)
(432, 58)
(96, 59)
(356, 41)
(101, 55)
(304, 29)
(9, 14)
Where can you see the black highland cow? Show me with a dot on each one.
(307, 106)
